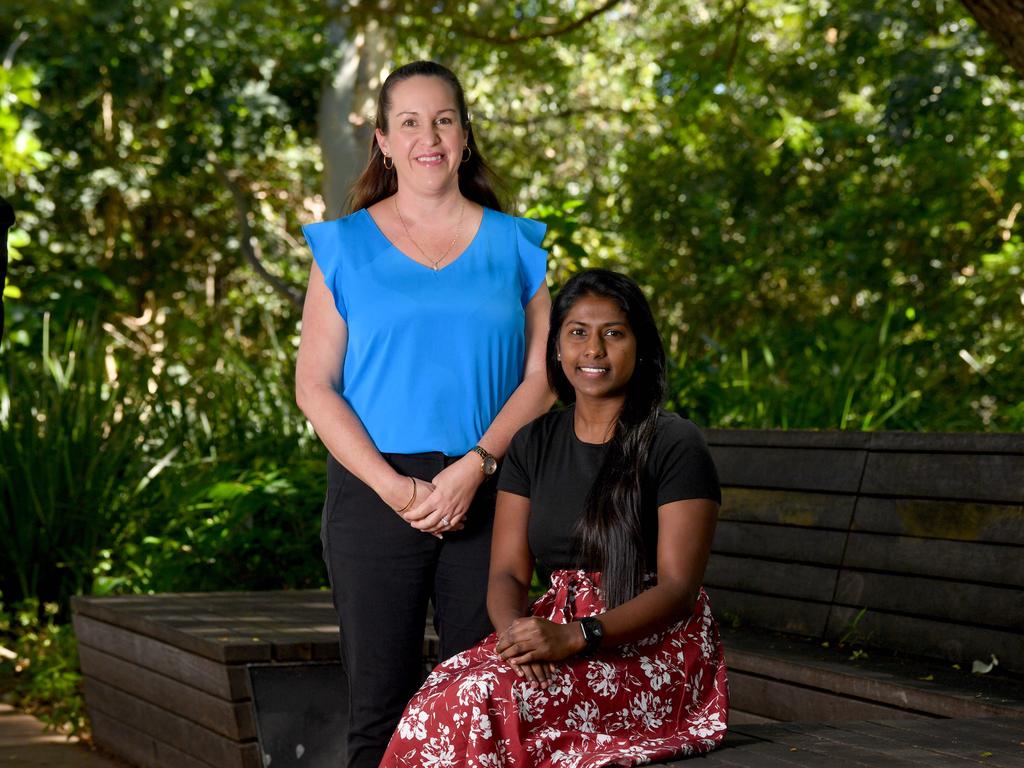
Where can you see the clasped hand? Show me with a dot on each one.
(448, 498)
(531, 645)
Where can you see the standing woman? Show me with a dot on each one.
(422, 353)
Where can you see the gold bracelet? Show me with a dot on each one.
(412, 500)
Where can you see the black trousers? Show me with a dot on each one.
(383, 573)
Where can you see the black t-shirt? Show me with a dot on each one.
(552, 467)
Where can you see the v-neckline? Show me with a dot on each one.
(418, 263)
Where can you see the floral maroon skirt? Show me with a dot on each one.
(663, 696)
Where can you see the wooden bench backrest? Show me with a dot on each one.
(912, 542)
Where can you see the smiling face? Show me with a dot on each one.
(425, 136)
(597, 348)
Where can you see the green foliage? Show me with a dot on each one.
(42, 677)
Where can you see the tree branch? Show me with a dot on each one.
(250, 245)
(1003, 20)
(515, 39)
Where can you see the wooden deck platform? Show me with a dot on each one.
(870, 744)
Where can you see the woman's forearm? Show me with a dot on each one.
(344, 436)
(651, 611)
(532, 398)
(507, 600)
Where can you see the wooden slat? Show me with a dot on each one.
(889, 742)
(812, 510)
(137, 748)
(231, 627)
(933, 689)
(820, 439)
(947, 442)
(991, 563)
(783, 701)
(231, 683)
(808, 582)
(951, 601)
(200, 743)
(954, 520)
(967, 739)
(924, 637)
(803, 469)
(234, 720)
(781, 614)
(971, 477)
(779, 542)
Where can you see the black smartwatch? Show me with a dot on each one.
(593, 634)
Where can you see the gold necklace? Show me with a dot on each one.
(458, 228)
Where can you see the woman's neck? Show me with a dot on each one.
(437, 206)
(594, 420)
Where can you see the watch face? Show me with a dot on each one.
(490, 465)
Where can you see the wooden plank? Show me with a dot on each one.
(822, 439)
(786, 702)
(797, 617)
(225, 682)
(968, 561)
(803, 469)
(234, 720)
(137, 748)
(191, 738)
(970, 739)
(231, 627)
(779, 542)
(926, 597)
(934, 689)
(970, 477)
(956, 520)
(948, 442)
(892, 741)
(923, 637)
(773, 744)
(799, 508)
(807, 582)
(822, 736)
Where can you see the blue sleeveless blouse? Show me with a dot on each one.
(432, 356)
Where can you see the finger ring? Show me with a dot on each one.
(445, 521)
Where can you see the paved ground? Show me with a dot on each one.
(23, 743)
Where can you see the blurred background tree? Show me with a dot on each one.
(821, 200)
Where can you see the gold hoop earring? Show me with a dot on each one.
(465, 157)
(386, 166)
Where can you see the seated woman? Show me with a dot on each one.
(619, 662)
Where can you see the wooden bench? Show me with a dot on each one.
(216, 679)
(908, 542)
(905, 542)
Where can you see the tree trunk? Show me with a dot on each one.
(347, 102)
(1003, 20)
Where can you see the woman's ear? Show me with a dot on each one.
(381, 141)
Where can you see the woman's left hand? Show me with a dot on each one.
(531, 639)
(454, 488)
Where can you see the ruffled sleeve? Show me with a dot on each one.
(533, 260)
(324, 240)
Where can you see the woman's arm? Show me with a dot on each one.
(508, 590)
(456, 484)
(685, 530)
(317, 385)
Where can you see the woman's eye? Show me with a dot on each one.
(444, 121)
(613, 332)
(576, 332)
(410, 122)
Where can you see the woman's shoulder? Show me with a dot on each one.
(343, 226)
(541, 429)
(674, 429)
(531, 230)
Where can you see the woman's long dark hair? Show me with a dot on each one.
(610, 530)
(476, 179)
